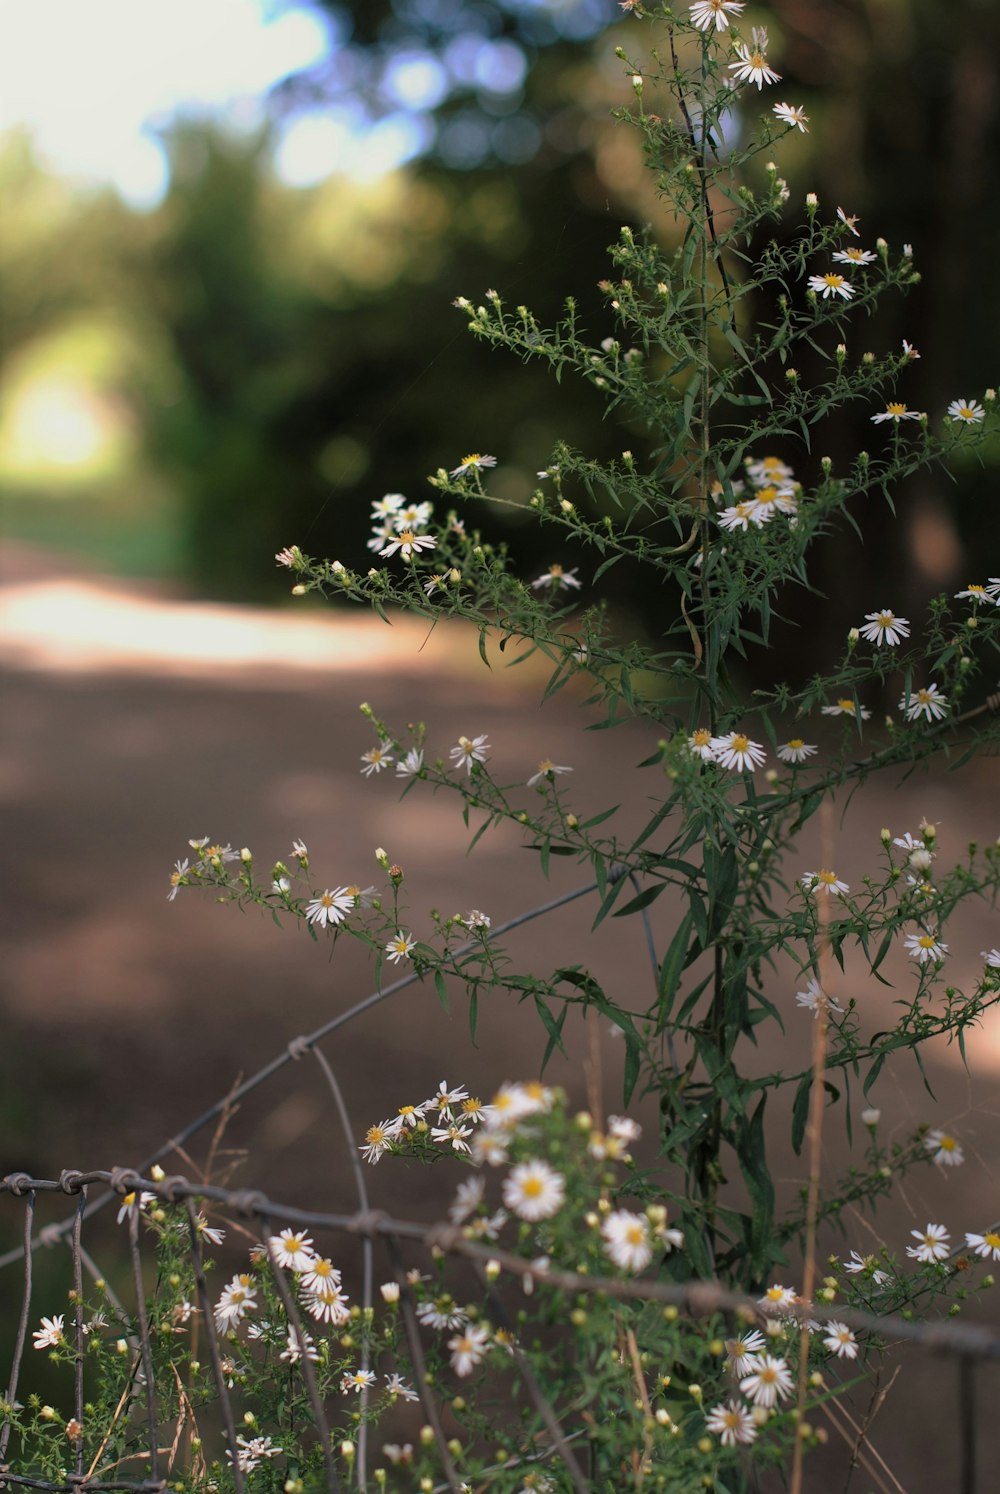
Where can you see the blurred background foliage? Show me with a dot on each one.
(248, 363)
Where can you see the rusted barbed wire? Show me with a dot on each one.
(697, 1298)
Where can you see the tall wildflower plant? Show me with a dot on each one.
(711, 318)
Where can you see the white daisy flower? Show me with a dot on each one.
(454, 1134)
(442, 1312)
(908, 842)
(381, 535)
(398, 948)
(840, 1340)
(467, 752)
(292, 1249)
(396, 1386)
(412, 516)
(410, 764)
(476, 919)
(298, 1346)
(793, 115)
(328, 1305)
(814, 999)
(928, 702)
(408, 543)
(853, 256)
(469, 1348)
(445, 1098)
(934, 1244)
(824, 881)
(972, 593)
(849, 222)
(896, 412)
(765, 470)
(771, 500)
(859, 1264)
(50, 1334)
(987, 1245)
(330, 907)
(751, 66)
(795, 750)
(489, 1147)
(740, 1351)
(133, 1203)
(557, 579)
(473, 463)
(741, 515)
(777, 1297)
(357, 1380)
(923, 947)
(992, 958)
(885, 627)
(376, 758)
(945, 1150)
(708, 13)
(736, 752)
(770, 1379)
(387, 507)
(845, 706)
(547, 769)
(731, 1423)
(831, 284)
(968, 410)
(237, 1299)
(700, 743)
(626, 1240)
(208, 1231)
(534, 1190)
(177, 878)
(378, 1139)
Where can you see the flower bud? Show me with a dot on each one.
(871, 1118)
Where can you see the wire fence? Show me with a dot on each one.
(968, 1347)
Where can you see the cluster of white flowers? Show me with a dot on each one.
(400, 526)
(449, 1117)
(773, 491)
(734, 750)
(965, 411)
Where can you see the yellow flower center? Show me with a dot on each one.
(635, 1234)
(531, 1187)
(895, 408)
(472, 461)
(926, 942)
(545, 766)
(947, 1143)
(833, 280)
(992, 1239)
(374, 1135)
(980, 591)
(701, 737)
(796, 742)
(555, 571)
(740, 743)
(767, 495)
(846, 705)
(827, 878)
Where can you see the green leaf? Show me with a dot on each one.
(553, 1026)
(641, 900)
(800, 1111)
(672, 965)
(442, 990)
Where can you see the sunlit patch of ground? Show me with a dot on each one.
(78, 625)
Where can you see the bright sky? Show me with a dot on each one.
(93, 78)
